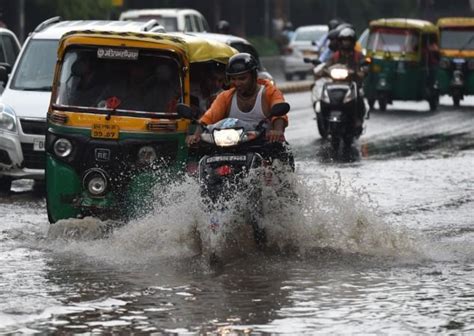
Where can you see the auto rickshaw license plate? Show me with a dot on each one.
(105, 131)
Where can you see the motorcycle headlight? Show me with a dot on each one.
(227, 137)
(62, 147)
(146, 154)
(95, 182)
(7, 119)
(339, 73)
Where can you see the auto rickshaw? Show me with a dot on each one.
(456, 65)
(112, 128)
(403, 56)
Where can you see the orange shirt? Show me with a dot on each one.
(220, 108)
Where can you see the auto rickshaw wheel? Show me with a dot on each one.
(456, 101)
(433, 101)
(383, 104)
(371, 103)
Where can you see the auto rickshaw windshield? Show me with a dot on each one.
(125, 79)
(393, 40)
(457, 38)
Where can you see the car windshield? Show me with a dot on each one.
(308, 34)
(119, 78)
(35, 70)
(170, 23)
(393, 40)
(462, 38)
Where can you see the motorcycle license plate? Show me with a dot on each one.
(105, 131)
(459, 60)
(226, 158)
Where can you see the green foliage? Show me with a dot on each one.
(78, 9)
(264, 46)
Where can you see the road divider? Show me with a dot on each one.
(299, 86)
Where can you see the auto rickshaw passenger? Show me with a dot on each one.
(85, 85)
(207, 81)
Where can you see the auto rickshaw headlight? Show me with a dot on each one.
(444, 63)
(95, 181)
(62, 147)
(146, 154)
(470, 65)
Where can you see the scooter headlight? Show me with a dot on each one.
(339, 73)
(95, 182)
(146, 154)
(7, 119)
(227, 137)
(62, 147)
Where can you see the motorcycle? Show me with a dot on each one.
(235, 159)
(337, 102)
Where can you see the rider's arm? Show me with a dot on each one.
(219, 108)
(272, 97)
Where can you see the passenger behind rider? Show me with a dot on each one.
(207, 81)
(324, 45)
(249, 99)
(353, 59)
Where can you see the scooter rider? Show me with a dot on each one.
(249, 99)
(353, 59)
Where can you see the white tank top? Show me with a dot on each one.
(254, 116)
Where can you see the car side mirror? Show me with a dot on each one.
(5, 70)
(186, 112)
(280, 109)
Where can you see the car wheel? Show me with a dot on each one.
(5, 184)
(288, 77)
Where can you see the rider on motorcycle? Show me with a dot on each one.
(349, 55)
(249, 99)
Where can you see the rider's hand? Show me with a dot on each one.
(275, 136)
(192, 139)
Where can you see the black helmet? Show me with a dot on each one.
(241, 63)
(223, 26)
(334, 23)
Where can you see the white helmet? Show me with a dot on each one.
(347, 33)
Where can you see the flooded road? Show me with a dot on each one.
(379, 242)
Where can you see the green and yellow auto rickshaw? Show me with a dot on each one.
(403, 55)
(112, 131)
(456, 65)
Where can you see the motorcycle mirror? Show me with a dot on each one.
(184, 111)
(280, 109)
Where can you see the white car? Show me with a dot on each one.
(240, 44)
(173, 19)
(25, 100)
(302, 44)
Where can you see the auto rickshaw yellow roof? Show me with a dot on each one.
(455, 22)
(195, 48)
(405, 23)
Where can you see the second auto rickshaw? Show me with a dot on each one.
(404, 59)
(113, 132)
(456, 66)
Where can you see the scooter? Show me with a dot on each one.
(236, 158)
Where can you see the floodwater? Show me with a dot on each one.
(379, 241)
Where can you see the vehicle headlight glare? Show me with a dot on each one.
(339, 73)
(97, 185)
(62, 147)
(95, 182)
(227, 137)
(147, 154)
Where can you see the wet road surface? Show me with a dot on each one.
(380, 241)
